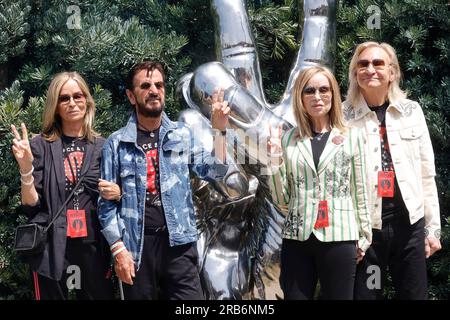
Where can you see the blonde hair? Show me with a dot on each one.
(301, 115)
(51, 121)
(394, 91)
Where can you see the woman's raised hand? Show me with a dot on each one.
(274, 142)
(21, 149)
(274, 148)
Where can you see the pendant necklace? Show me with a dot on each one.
(319, 136)
(151, 132)
(71, 143)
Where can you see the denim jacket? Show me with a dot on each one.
(124, 163)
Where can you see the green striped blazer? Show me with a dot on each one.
(297, 187)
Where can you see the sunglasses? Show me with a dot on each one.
(377, 64)
(65, 98)
(147, 85)
(324, 91)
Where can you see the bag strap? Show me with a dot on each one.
(71, 193)
(65, 203)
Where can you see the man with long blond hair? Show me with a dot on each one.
(400, 175)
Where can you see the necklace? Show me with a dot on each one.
(319, 136)
(151, 132)
(69, 141)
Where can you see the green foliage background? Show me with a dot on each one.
(35, 43)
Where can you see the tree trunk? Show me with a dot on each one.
(3, 75)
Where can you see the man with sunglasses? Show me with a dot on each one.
(152, 230)
(400, 176)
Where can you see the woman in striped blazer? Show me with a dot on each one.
(319, 180)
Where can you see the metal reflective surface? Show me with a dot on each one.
(240, 227)
(235, 185)
(250, 118)
(235, 45)
(318, 47)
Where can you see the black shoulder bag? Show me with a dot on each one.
(30, 239)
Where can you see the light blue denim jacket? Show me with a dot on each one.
(124, 163)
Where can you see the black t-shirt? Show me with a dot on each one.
(391, 207)
(154, 214)
(318, 143)
(74, 154)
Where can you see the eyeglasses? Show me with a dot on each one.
(147, 85)
(324, 91)
(378, 64)
(65, 98)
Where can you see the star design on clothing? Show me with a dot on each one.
(73, 160)
(152, 170)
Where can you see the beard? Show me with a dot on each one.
(149, 113)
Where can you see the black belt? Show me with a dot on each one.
(149, 231)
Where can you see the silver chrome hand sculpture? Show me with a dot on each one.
(240, 228)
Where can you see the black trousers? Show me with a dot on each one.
(94, 275)
(303, 263)
(399, 247)
(167, 273)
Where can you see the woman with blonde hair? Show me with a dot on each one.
(50, 165)
(320, 183)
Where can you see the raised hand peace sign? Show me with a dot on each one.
(274, 142)
(274, 148)
(220, 110)
(21, 149)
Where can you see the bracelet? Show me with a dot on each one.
(118, 243)
(217, 132)
(29, 183)
(274, 155)
(115, 253)
(26, 174)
